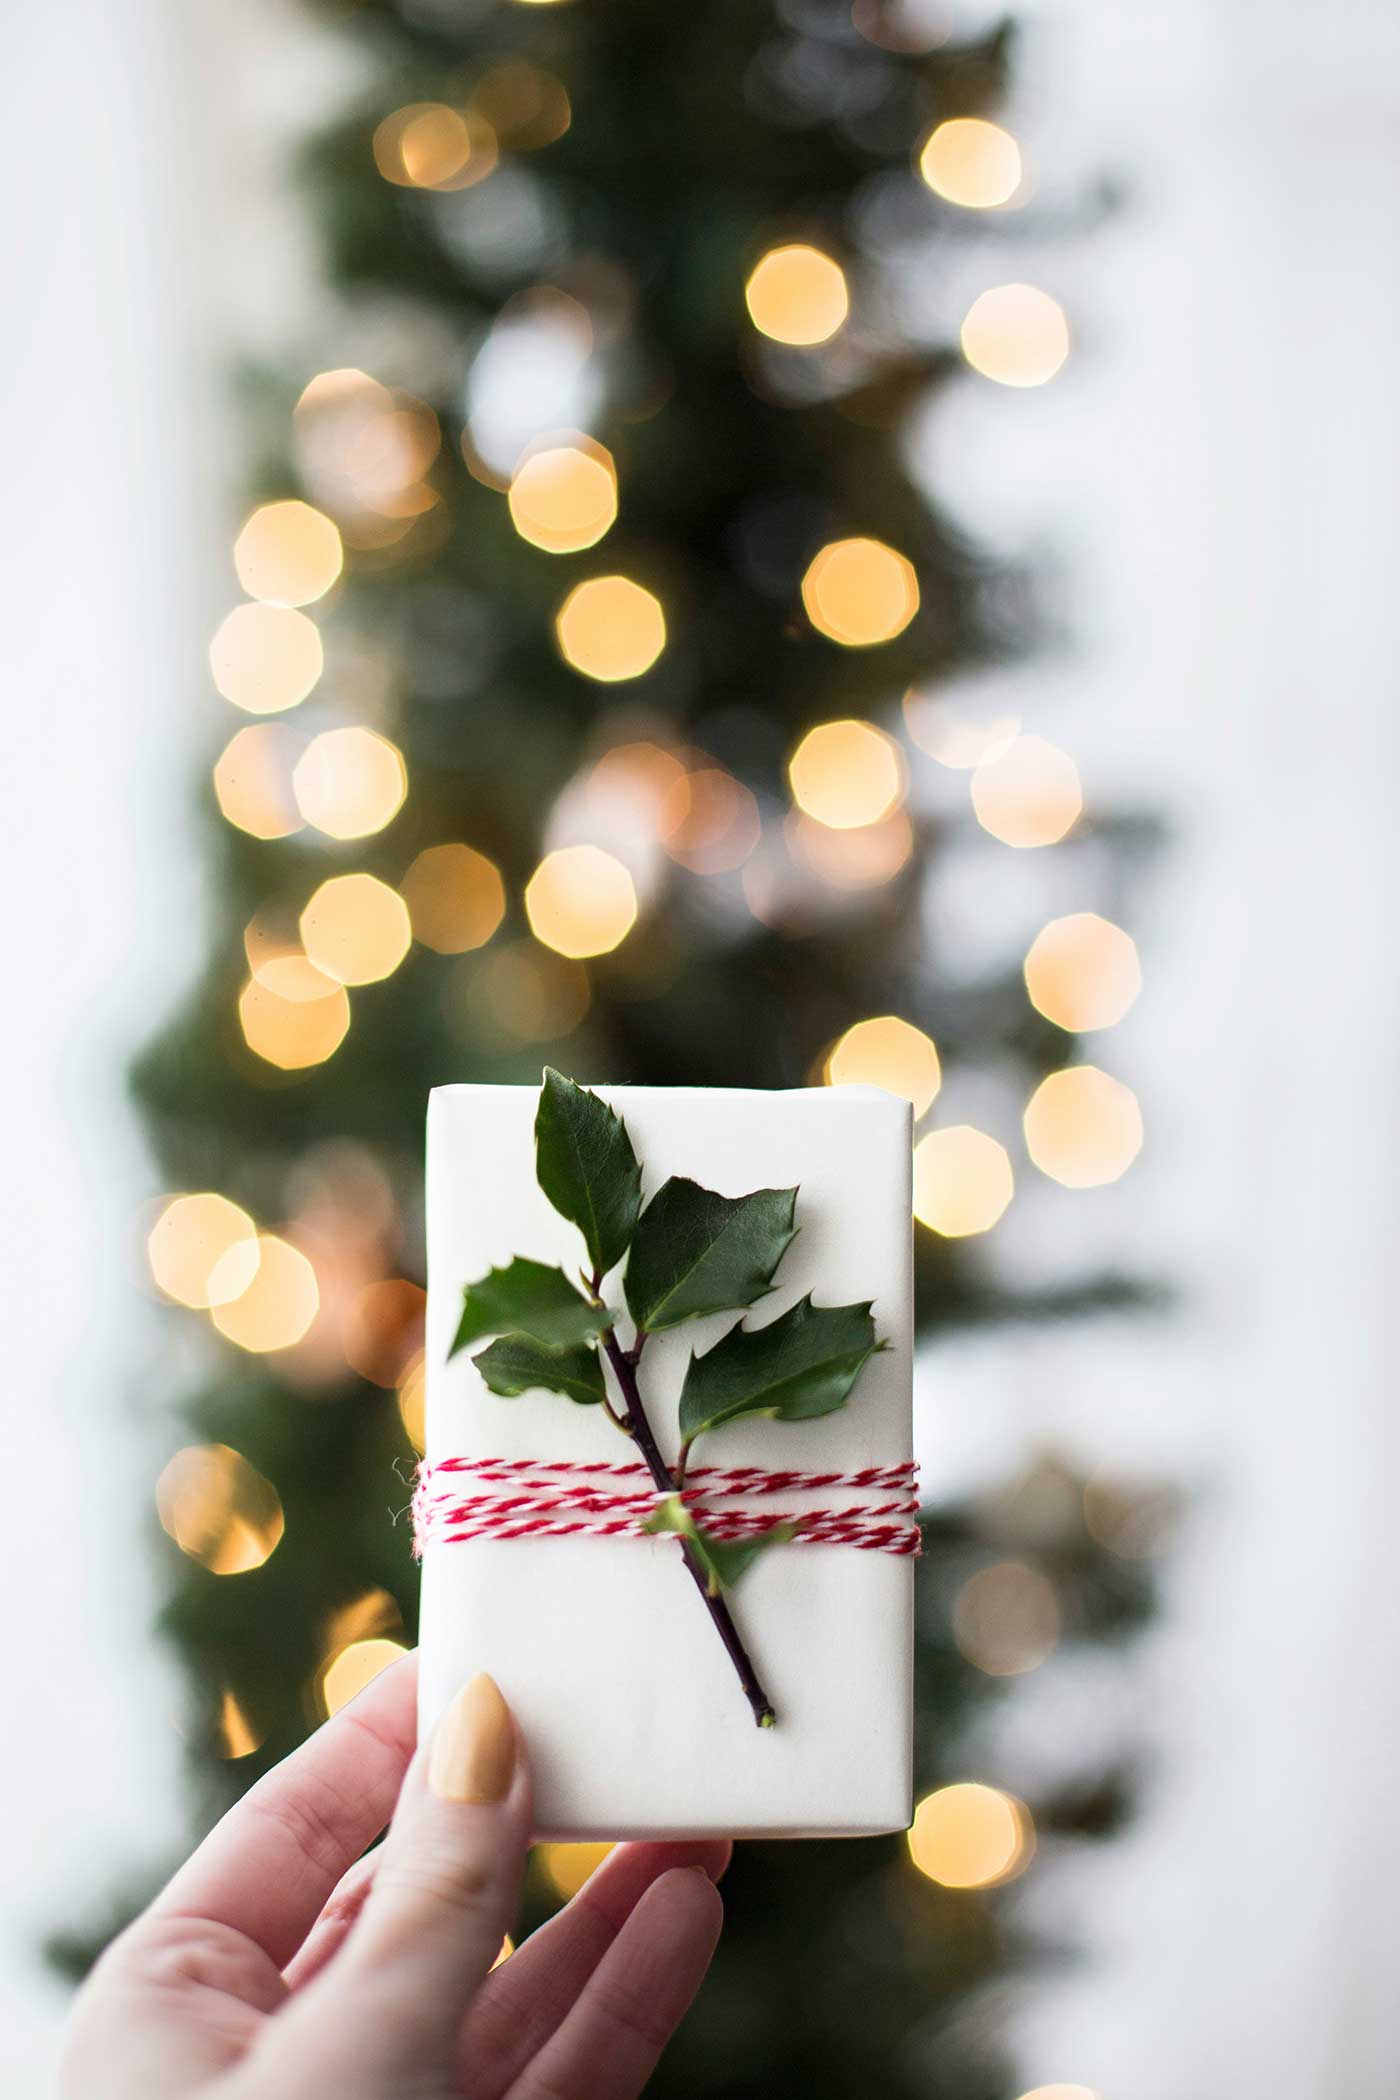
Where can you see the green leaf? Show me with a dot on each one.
(585, 1164)
(531, 1299)
(515, 1365)
(803, 1364)
(724, 1560)
(697, 1252)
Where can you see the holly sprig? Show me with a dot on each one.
(689, 1252)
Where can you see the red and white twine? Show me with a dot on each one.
(526, 1498)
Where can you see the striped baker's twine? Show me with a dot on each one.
(458, 1499)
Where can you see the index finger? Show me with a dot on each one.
(269, 1865)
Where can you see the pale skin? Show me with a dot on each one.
(281, 1964)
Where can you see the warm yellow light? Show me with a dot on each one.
(507, 1948)
(856, 859)
(1028, 794)
(382, 1334)
(890, 1053)
(1016, 335)
(707, 820)
(413, 1399)
(350, 782)
(580, 901)
(266, 658)
(847, 774)
(237, 1735)
(610, 628)
(564, 497)
(957, 739)
(962, 1181)
(292, 1014)
(971, 1837)
(525, 106)
(1082, 972)
(356, 929)
(279, 1304)
(1082, 1127)
(859, 592)
(1006, 1619)
(288, 554)
(528, 994)
(455, 898)
(357, 1665)
(253, 781)
(203, 1249)
(219, 1509)
(797, 295)
(430, 146)
(971, 162)
(569, 1866)
(1061, 2092)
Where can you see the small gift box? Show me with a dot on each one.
(603, 1635)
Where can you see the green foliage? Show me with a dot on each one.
(515, 1365)
(802, 1364)
(530, 1299)
(724, 1560)
(696, 1252)
(586, 1166)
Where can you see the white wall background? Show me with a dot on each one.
(1218, 465)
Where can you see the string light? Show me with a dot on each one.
(970, 1836)
(971, 162)
(356, 929)
(413, 1402)
(1016, 335)
(580, 901)
(279, 1304)
(382, 1334)
(564, 497)
(236, 1734)
(708, 821)
(253, 781)
(455, 897)
(859, 592)
(890, 1053)
(1082, 972)
(1028, 794)
(430, 146)
(610, 628)
(856, 859)
(293, 1015)
(219, 1509)
(202, 1250)
(1083, 1128)
(347, 1673)
(288, 554)
(1006, 1619)
(962, 1181)
(847, 774)
(525, 106)
(350, 782)
(567, 1867)
(266, 658)
(797, 295)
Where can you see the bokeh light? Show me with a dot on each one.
(857, 859)
(350, 782)
(563, 497)
(292, 1014)
(288, 554)
(1027, 794)
(610, 628)
(1006, 1619)
(708, 821)
(202, 1250)
(253, 781)
(279, 1304)
(1133, 1519)
(529, 994)
(413, 1402)
(581, 901)
(382, 1333)
(797, 295)
(1016, 335)
(1082, 972)
(356, 1665)
(962, 1181)
(525, 106)
(859, 592)
(219, 1509)
(237, 1737)
(959, 738)
(972, 162)
(430, 146)
(847, 774)
(356, 929)
(455, 897)
(886, 1051)
(1083, 1128)
(567, 1867)
(1061, 2092)
(266, 658)
(969, 1836)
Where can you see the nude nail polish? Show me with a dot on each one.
(473, 1754)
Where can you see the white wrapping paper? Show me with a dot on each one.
(635, 1722)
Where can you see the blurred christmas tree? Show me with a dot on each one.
(635, 677)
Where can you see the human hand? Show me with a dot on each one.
(281, 1965)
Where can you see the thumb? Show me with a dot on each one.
(446, 1890)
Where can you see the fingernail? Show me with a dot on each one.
(473, 1753)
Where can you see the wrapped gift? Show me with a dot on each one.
(609, 1639)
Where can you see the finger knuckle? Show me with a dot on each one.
(621, 2009)
(173, 1953)
(458, 1886)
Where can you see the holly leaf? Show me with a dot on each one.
(724, 1560)
(698, 1252)
(516, 1365)
(528, 1298)
(585, 1164)
(802, 1364)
